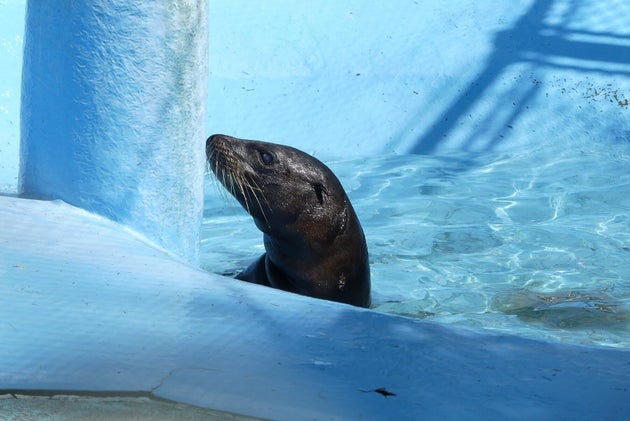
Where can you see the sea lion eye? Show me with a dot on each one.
(266, 157)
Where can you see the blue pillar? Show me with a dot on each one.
(113, 112)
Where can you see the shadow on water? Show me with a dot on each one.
(532, 40)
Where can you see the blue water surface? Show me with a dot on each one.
(534, 243)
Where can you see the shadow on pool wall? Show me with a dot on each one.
(551, 38)
(485, 78)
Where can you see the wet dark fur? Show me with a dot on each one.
(313, 239)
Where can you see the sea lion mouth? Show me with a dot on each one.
(231, 169)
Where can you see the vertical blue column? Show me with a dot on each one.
(113, 112)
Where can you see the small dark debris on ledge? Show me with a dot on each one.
(381, 390)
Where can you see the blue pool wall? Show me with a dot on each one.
(338, 80)
(362, 79)
(113, 113)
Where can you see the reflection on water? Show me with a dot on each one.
(565, 309)
(536, 244)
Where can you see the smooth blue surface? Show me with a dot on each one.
(88, 306)
(11, 44)
(113, 105)
(358, 78)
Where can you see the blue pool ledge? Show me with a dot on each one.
(87, 305)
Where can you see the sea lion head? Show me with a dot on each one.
(280, 187)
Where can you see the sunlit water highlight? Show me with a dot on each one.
(535, 244)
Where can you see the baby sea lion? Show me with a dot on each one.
(313, 239)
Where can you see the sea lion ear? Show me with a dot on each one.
(320, 190)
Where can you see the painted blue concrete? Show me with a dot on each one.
(363, 78)
(113, 106)
(11, 42)
(88, 306)
(360, 78)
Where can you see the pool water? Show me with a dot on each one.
(535, 244)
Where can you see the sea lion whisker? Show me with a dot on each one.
(241, 183)
(252, 192)
(225, 194)
(259, 189)
(221, 174)
(221, 169)
(215, 169)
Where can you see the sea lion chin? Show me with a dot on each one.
(314, 242)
